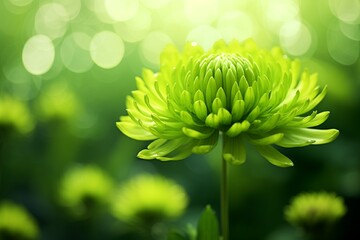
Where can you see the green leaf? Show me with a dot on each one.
(208, 227)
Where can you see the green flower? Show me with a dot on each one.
(314, 211)
(149, 199)
(237, 90)
(14, 115)
(85, 188)
(16, 223)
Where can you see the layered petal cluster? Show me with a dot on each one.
(245, 94)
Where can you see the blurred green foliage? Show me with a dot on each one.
(74, 89)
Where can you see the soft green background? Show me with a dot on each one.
(90, 52)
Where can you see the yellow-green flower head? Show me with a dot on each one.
(314, 210)
(16, 223)
(247, 94)
(85, 187)
(15, 115)
(149, 198)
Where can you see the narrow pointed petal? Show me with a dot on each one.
(163, 149)
(198, 134)
(134, 130)
(268, 140)
(299, 137)
(274, 156)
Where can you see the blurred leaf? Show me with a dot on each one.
(208, 227)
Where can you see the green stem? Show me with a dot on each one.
(224, 201)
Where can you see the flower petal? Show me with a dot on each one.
(274, 156)
(134, 130)
(198, 134)
(238, 128)
(164, 149)
(299, 137)
(268, 140)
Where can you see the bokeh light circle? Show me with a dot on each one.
(75, 53)
(72, 7)
(155, 4)
(346, 10)
(51, 19)
(235, 25)
(106, 49)
(38, 54)
(277, 12)
(136, 28)
(341, 48)
(295, 38)
(152, 46)
(121, 10)
(201, 11)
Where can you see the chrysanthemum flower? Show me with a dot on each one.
(17, 223)
(83, 188)
(244, 93)
(311, 211)
(149, 198)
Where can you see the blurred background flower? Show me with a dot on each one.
(94, 49)
(315, 212)
(84, 189)
(16, 223)
(148, 199)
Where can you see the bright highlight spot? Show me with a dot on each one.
(346, 10)
(295, 38)
(121, 10)
(155, 4)
(204, 35)
(106, 49)
(38, 54)
(75, 53)
(278, 12)
(51, 19)
(136, 28)
(152, 46)
(72, 7)
(235, 25)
